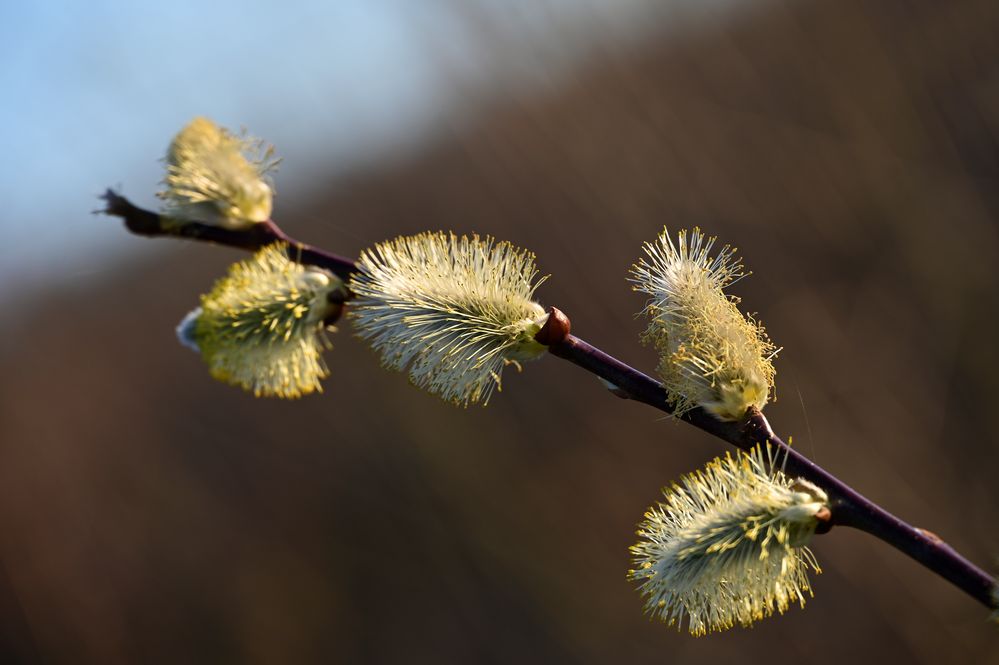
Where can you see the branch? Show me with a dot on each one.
(848, 507)
(257, 236)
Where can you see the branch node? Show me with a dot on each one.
(937, 540)
(757, 428)
(614, 389)
(824, 516)
(556, 328)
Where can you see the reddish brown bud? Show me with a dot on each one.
(556, 328)
(824, 517)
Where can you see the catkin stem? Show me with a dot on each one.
(849, 508)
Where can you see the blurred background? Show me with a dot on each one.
(151, 515)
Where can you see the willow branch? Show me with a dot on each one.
(847, 507)
(256, 236)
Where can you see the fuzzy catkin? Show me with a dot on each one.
(452, 311)
(711, 355)
(216, 177)
(727, 546)
(261, 326)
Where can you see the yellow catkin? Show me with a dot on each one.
(453, 311)
(711, 355)
(216, 177)
(727, 546)
(261, 326)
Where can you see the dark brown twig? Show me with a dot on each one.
(147, 223)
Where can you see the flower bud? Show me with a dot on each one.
(217, 178)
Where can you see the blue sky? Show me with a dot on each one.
(93, 91)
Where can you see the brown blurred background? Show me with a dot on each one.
(849, 149)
